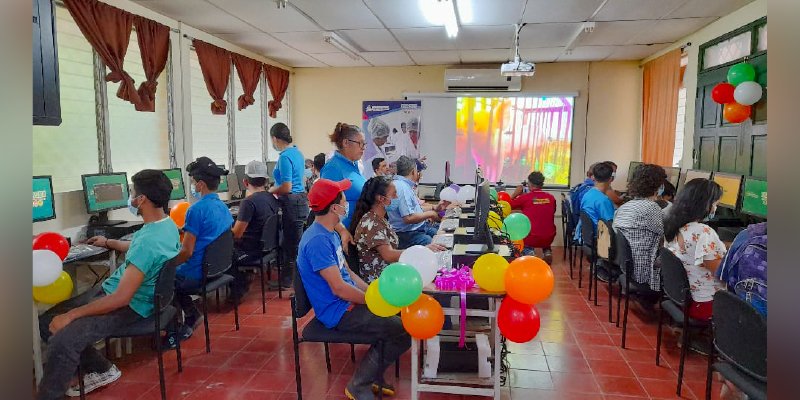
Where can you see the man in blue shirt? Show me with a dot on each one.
(577, 192)
(337, 294)
(595, 202)
(206, 220)
(406, 215)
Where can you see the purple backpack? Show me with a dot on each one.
(745, 269)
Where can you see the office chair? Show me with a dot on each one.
(606, 247)
(568, 231)
(588, 248)
(270, 253)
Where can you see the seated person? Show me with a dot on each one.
(695, 243)
(337, 294)
(744, 268)
(665, 198)
(380, 167)
(540, 208)
(595, 202)
(609, 191)
(406, 215)
(640, 220)
(72, 327)
(253, 213)
(375, 239)
(206, 219)
(577, 192)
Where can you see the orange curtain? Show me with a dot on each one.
(215, 64)
(661, 82)
(278, 81)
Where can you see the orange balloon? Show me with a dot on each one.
(519, 244)
(736, 113)
(178, 213)
(424, 318)
(529, 280)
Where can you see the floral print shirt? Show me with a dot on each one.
(694, 244)
(372, 232)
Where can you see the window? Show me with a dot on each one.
(281, 116)
(728, 50)
(139, 140)
(762, 38)
(69, 150)
(248, 126)
(209, 131)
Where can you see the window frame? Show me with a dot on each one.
(752, 27)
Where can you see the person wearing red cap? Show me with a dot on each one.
(336, 293)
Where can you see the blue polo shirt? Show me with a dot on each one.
(206, 220)
(404, 205)
(321, 249)
(338, 168)
(290, 168)
(598, 206)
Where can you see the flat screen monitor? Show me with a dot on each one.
(447, 180)
(223, 181)
(238, 171)
(731, 185)
(673, 175)
(426, 191)
(104, 192)
(176, 177)
(483, 236)
(692, 174)
(632, 167)
(43, 204)
(754, 197)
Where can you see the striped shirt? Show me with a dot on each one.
(641, 221)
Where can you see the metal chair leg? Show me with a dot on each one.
(205, 322)
(297, 377)
(236, 313)
(327, 357)
(178, 355)
(658, 336)
(711, 355)
(619, 302)
(596, 280)
(263, 294)
(380, 360)
(81, 387)
(397, 368)
(610, 302)
(684, 350)
(217, 295)
(625, 316)
(592, 267)
(580, 268)
(161, 381)
(352, 352)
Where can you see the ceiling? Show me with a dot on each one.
(395, 32)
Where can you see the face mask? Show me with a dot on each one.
(131, 208)
(346, 212)
(660, 191)
(197, 195)
(307, 173)
(711, 215)
(613, 175)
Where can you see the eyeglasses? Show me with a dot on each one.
(362, 145)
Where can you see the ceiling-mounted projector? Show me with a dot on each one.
(518, 68)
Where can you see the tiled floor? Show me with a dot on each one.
(576, 355)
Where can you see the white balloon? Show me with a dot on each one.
(448, 194)
(423, 259)
(747, 93)
(464, 196)
(47, 267)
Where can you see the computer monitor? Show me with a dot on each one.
(482, 235)
(176, 177)
(223, 181)
(692, 174)
(104, 192)
(731, 185)
(235, 180)
(632, 167)
(270, 169)
(43, 205)
(427, 191)
(754, 197)
(447, 180)
(673, 175)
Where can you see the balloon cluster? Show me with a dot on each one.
(178, 215)
(739, 93)
(527, 281)
(51, 284)
(516, 225)
(457, 195)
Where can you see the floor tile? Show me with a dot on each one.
(530, 379)
(625, 386)
(610, 368)
(527, 362)
(574, 383)
(568, 364)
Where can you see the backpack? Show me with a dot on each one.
(575, 197)
(745, 269)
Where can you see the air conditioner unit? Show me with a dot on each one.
(480, 80)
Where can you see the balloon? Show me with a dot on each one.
(455, 187)
(377, 304)
(56, 292)
(503, 196)
(493, 194)
(400, 284)
(465, 196)
(519, 244)
(741, 72)
(469, 189)
(529, 280)
(518, 322)
(448, 194)
(424, 318)
(178, 213)
(722, 93)
(505, 206)
(424, 260)
(52, 241)
(517, 225)
(46, 267)
(735, 113)
(748, 93)
(489, 272)
(495, 221)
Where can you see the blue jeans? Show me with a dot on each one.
(421, 236)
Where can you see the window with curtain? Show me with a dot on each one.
(727, 51)
(282, 116)
(69, 150)
(209, 132)
(248, 126)
(139, 140)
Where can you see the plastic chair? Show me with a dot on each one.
(588, 247)
(740, 342)
(270, 253)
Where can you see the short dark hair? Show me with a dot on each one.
(319, 161)
(327, 208)
(612, 164)
(153, 184)
(669, 189)
(376, 162)
(589, 171)
(405, 165)
(257, 181)
(281, 131)
(536, 178)
(646, 180)
(601, 172)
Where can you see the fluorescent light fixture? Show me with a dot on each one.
(585, 29)
(342, 45)
(441, 12)
(465, 15)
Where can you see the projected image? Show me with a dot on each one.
(511, 136)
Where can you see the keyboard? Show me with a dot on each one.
(81, 251)
(449, 224)
(445, 259)
(444, 240)
(452, 213)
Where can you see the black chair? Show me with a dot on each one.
(270, 254)
(316, 332)
(623, 258)
(588, 249)
(568, 229)
(740, 341)
(606, 249)
(678, 298)
(164, 319)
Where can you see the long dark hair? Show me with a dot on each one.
(375, 186)
(692, 204)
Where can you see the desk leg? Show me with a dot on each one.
(414, 369)
(38, 367)
(497, 350)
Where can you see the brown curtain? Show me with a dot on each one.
(215, 63)
(108, 30)
(249, 72)
(278, 80)
(661, 82)
(153, 41)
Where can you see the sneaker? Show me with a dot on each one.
(548, 257)
(171, 340)
(354, 394)
(388, 389)
(95, 380)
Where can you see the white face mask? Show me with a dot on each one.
(346, 207)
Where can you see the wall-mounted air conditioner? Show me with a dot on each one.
(480, 80)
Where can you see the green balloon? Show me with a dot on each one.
(742, 72)
(493, 194)
(517, 225)
(400, 284)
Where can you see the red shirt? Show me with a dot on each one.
(540, 208)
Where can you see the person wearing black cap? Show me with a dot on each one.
(206, 219)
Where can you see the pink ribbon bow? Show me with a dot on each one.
(457, 279)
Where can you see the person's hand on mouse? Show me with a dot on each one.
(99, 241)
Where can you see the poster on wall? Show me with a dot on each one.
(391, 130)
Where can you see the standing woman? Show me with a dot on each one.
(289, 173)
(350, 145)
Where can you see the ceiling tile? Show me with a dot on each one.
(339, 14)
(487, 56)
(371, 39)
(547, 35)
(559, 11)
(262, 14)
(429, 57)
(707, 8)
(199, 14)
(542, 54)
(434, 38)
(489, 12)
(587, 53)
(670, 30)
(387, 58)
(294, 58)
(340, 60)
(398, 14)
(635, 51)
(485, 37)
(616, 33)
(307, 42)
(258, 42)
(628, 10)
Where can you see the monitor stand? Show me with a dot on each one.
(101, 219)
(480, 248)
